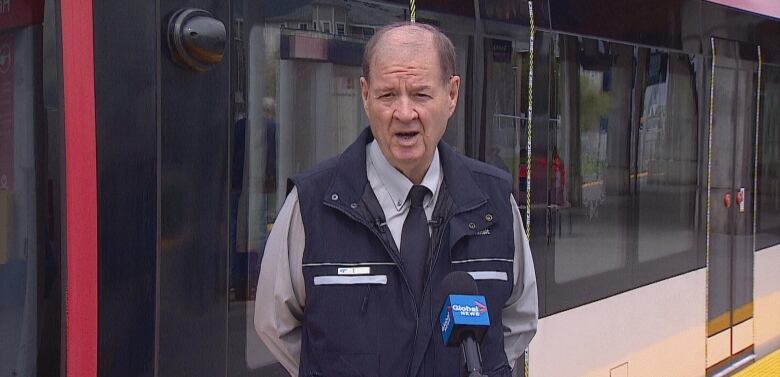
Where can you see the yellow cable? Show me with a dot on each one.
(709, 198)
(755, 172)
(529, 123)
(532, 31)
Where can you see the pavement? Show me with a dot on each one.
(768, 366)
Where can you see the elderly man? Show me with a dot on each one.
(350, 283)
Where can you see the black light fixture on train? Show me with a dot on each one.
(196, 40)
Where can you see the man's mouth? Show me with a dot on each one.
(407, 135)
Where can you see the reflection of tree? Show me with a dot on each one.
(591, 166)
(594, 107)
(594, 103)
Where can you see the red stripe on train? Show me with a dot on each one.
(81, 309)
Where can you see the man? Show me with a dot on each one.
(350, 280)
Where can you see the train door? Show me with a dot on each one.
(730, 232)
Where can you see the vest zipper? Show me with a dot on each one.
(390, 251)
(435, 258)
(431, 264)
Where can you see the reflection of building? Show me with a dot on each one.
(338, 17)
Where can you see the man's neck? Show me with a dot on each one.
(415, 175)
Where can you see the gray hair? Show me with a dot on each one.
(441, 42)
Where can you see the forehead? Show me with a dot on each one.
(407, 53)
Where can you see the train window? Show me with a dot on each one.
(619, 173)
(506, 107)
(589, 158)
(297, 103)
(30, 188)
(768, 196)
(667, 152)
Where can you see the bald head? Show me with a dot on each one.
(429, 37)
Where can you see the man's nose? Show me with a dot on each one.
(404, 110)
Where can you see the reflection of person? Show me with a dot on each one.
(559, 178)
(493, 157)
(540, 168)
(350, 283)
(269, 127)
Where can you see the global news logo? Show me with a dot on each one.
(470, 311)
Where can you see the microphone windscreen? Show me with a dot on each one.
(458, 283)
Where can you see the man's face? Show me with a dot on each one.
(407, 103)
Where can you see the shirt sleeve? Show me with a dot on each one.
(280, 289)
(521, 311)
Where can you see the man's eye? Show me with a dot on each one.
(385, 95)
(423, 95)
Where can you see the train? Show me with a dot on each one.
(145, 149)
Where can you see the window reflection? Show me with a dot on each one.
(18, 214)
(506, 104)
(667, 154)
(30, 140)
(590, 159)
(297, 103)
(768, 197)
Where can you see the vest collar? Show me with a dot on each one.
(350, 179)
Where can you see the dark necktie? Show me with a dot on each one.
(414, 241)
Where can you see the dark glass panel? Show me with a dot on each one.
(768, 190)
(587, 171)
(589, 158)
(729, 23)
(668, 23)
(20, 246)
(667, 154)
(458, 8)
(30, 191)
(515, 12)
(506, 109)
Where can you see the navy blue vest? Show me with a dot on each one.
(360, 318)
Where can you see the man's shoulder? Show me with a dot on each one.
(485, 170)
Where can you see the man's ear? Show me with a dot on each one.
(453, 94)
(364, 93)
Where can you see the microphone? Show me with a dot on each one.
(464, 318)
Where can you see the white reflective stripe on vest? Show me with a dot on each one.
(345, 280)
(489, 275)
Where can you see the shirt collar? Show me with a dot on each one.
(398, 186)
